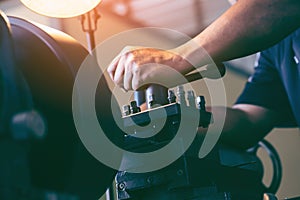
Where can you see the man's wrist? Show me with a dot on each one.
(193, 56)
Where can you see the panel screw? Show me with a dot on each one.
(121, 186)
(179, 172)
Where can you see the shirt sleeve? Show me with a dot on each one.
(265, 88)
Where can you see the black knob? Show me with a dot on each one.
(171, 96)
(134, 108)
(126, 110)
(191, 98)
(181, 95)
(201, 103)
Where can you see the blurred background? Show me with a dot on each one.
(188, 17)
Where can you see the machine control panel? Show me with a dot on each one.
(154, 127)
(132, 114)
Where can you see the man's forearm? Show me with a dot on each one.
(250, 26)
(247, 27)
(243, 129)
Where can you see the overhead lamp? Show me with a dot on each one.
(61, 8)
(70, 8)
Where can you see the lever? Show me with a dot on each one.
(208, 73)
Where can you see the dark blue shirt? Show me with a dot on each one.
(276, 81)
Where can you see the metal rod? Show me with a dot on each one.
(109, 194)
(157, 93)
(90, 36)
(89, 22)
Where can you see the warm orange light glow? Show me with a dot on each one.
(61, 8)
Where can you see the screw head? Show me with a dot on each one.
(121, 186)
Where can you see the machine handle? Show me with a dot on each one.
(277, 168)
(208, 73)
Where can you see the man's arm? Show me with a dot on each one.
(244, 125)
(247, 27)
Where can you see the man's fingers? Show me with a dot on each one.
(119, 73)
(128, 76)
(111, 70)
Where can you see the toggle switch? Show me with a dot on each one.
(191, 98)
(171, 96)
(181, 95)
(201, 103)
(134, 108)
(126, 110)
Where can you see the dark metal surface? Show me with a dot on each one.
(49, 61)
(216, 177)
(276, 162)
(14, 94)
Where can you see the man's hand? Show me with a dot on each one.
(136, 67)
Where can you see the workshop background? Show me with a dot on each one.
(189, 17)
